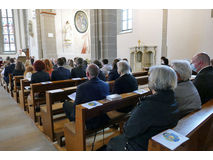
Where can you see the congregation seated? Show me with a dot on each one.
(19, 69)
(40, 75)
(78, 71)
(84, 65)
(9, 70)
(48, 66)
(28, 72)
(106, 67)
(93, 89)
(60, 73)
(101, 75)
(71, 64)
(152, 115)
(66, 65)
(113, 74)
(204, 78)
(186, 94)
(125, 83)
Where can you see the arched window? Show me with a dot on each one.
(8, 30)
(126, 20)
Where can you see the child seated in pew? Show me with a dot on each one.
(152, 115)
(28, 72)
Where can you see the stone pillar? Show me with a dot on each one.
(164, 33)
(104, 34)
(47, 36)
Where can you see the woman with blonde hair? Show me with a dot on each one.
(48, 66)
(27, 63)
(28, 72)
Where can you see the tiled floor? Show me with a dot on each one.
(17, 130)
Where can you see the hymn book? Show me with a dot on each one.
(114, 97)
(91, 104)
(170, 139)
(140, 91)
(72, 96)
(56, 90)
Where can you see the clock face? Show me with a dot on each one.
(81, 21)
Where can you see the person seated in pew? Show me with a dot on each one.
(60, 73)
(48, 66)
(113, 74)
(66, 65)
(101, 75)
(152, 115)
(125, 83)
(9, 70)
(78, 72)
(19, 69)
(164, 61)
(93, 89)
(40, 75)
(106, 67)
(84, 64)
(204, 78)
(186, 94)
(28, 73)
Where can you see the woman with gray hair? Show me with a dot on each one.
(186, 94)
(152, 115)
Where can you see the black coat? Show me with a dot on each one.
(40, 76)
(18, 72)
(113, 75)
(154, 114)
(60, 73)
(124, 84)
(8, 70)
(101, 76)
(78, 72)
(204, 84)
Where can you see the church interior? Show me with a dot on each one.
(106, 79)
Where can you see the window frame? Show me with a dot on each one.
(2, 34)
(127, 30)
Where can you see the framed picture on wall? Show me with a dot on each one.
(81, 21)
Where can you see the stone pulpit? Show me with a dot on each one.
(142, 57)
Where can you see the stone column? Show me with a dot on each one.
(47, 36)
(104, 34)
(164, 33)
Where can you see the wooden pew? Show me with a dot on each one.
(39, 88)
(139, 74)
(76, 133)
(196, 126)
(53, 127)
(53, 98)
(17, 87)
(23, 93)
(9, 87)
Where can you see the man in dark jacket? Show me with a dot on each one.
(60, 73)
(204, 79)
(9, 70)
(93, 89)
(79, 71)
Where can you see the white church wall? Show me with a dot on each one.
(77, 39)
(189, 32)
(33, 40)
(147, 27)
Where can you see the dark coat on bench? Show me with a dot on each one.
(78, 72)
(8, 70)
(154, 114)
(125, 84)
(60, 73)
(94, 89)
(40, 76)
(204, 84)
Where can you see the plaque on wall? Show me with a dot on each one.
(81, 21)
